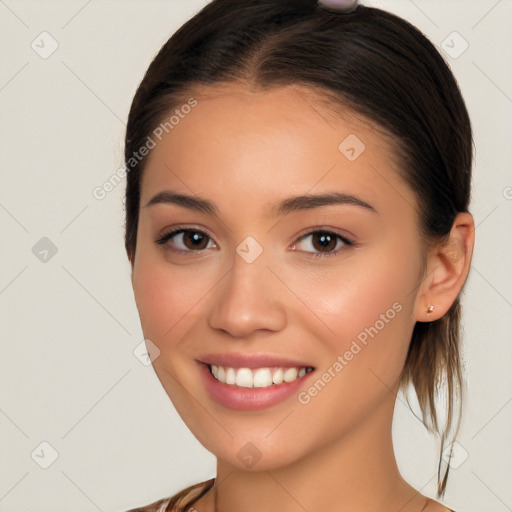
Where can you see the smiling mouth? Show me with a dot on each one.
(258, 377)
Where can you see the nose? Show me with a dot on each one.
(249, 299)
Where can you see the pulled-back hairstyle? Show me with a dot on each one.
(370, 62)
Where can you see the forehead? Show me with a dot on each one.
(261, 144)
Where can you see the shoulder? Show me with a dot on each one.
(180, 501)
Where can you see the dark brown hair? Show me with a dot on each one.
(369, 61)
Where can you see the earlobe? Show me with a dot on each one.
(447, 270)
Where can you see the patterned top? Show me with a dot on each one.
(181, 502)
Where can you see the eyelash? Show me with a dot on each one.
(349, 243)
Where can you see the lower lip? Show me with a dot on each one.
(249, 399)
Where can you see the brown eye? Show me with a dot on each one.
(186, 240)
(195, 240)
(322, 243)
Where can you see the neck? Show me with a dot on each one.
(355, 473)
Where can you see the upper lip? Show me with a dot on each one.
(251, 361)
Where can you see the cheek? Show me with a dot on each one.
(369, 315)
(165, 295)
(368, 308)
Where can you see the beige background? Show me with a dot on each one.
(69, 324)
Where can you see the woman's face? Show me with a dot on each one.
(301, 250)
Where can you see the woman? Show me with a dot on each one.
(297, 224)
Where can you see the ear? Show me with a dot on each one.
(447, 269)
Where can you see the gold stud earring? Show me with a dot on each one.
(430, 308)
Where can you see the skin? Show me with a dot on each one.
(246, 152)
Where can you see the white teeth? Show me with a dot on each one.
(230, 376)
(244, 378)
(278, 376)
(290, 374)
(258, 377)
(262, 378)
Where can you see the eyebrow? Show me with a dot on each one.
(184, 200)
(310, 201)
(292, 204)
